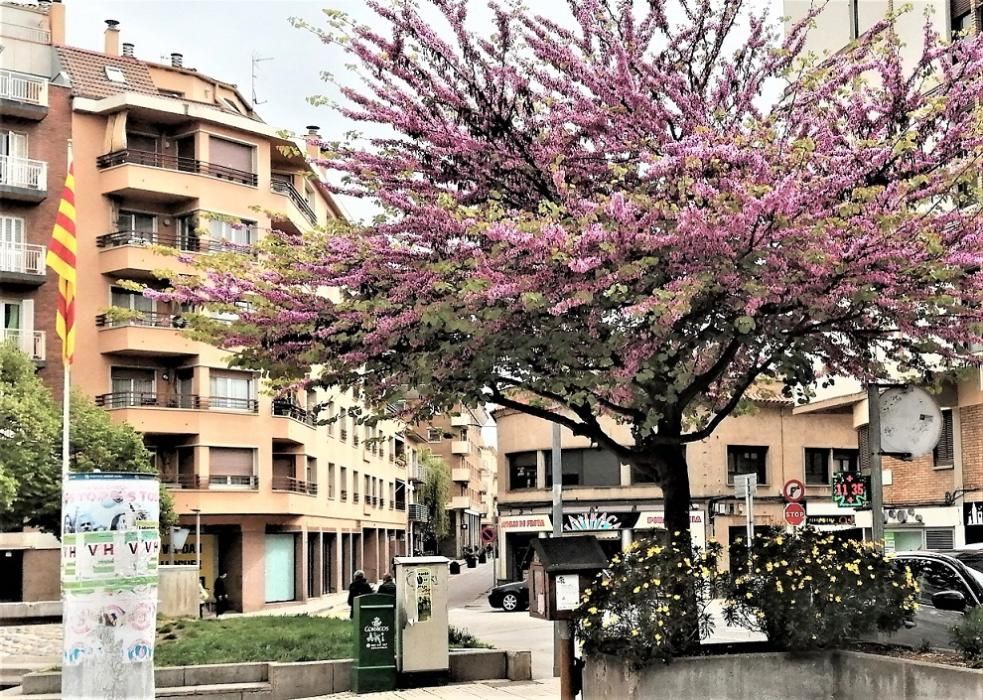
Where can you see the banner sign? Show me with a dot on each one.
(525, 523)
(973, 513)
(109, 558)
(831, 520)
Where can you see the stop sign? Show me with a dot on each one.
(795, 514)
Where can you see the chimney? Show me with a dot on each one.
(56, 21)
(313, 142)
(112, 37)
(128, 49)
(177, 60)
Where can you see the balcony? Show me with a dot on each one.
(417, 512)
(22, 264)
(162, 176)
(147, 399)
(31, 343)
(230, 403)
(460, 447)
(23, 96)
(417, 472)
(459, 503)
(291, 423)
(22, 31)
(131, 254)
(297, 201)
(149, 333)
(233, 482)
(23, 179)
(462, 474)
(288, 483)
(181, 481)
(288, 409)
(150, 412)
(460, 420)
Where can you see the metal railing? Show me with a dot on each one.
(192, 243)
(22, 87)
(181, 481)
(147, 399)
(33, 343)
(288, 483)
(230, 403)
(168, 161)
(288, 409)
(234, 481)
(417, 512)
(24, 172)
(146, 319)
(287, 188)
(400, 504)
(22, 31)
(25, 258)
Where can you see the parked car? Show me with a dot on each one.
(510, 597)
(950, 583)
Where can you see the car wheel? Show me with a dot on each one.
(510, 603)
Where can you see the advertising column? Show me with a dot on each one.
(109, 585)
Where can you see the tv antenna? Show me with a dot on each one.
(256, 60)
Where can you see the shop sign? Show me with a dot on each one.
(594, 521)
(831, 520)
(525, 523)
(973, 513)
(851, 490)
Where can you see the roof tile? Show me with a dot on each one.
(88, 73)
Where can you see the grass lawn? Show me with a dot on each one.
(239, 639)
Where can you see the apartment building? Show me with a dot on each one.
(489, 477)
(167, 156)
(456, 438)
(35, 117)
(618, 504)
(935, 501)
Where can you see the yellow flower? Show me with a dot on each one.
(838, 598)
(779, 540)
(657, 581)
(676, 597)
(593, 611)
(658, 637)
(636, 589)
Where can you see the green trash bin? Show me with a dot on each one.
(374, 668)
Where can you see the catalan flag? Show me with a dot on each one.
(61, 259)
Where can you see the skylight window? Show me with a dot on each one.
(115, 74)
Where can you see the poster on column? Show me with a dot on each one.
(109, 558)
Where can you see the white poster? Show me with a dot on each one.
(567, 591)
(110, 552)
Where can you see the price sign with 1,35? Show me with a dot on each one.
(851, 490)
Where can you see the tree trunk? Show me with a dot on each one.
(675, 489)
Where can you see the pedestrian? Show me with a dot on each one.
(221, 594)
(203, 596)
(358, 586)
(388, 586)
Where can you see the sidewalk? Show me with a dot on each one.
(485, 690)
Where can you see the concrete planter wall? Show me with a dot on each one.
(285, 681)
(835, 675)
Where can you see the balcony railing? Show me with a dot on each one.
(292, 410)
(181, 481)
(148, 399)
(191, 242)
(288, 483)
(238, 481)
(230, 403)
(24, 258)
(24, 172)
(31, 343)
(22, 87)
(146, 319)
(282, 187)
(168, 161)
(22, 31)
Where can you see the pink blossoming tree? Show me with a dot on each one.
(604, 217)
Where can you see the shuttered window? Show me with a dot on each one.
(231, 461)
(863, 442)
(230, 154)
(941, 538)
(943, 452)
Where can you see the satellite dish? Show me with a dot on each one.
(911, 422)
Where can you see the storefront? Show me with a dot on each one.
(973, 522)
(916, 528)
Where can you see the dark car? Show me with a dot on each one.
(950, 583)
(510, 597)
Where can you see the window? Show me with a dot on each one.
(343, 426)
(232, 390)
(745, 459)
(134, 384)
(235, 232)
(522, 470)
(125, 299)
(115, 75)
(13, 144)
(232, 466)
(854, 19)
(231, 104)
(135, 222)
(13, 255)
(435, 435)
(171, 93)
(845, 460)
(586, 467)
(231, 160)
(331, 414)
(944, 452)
(934, 577)
(355, 487)
(343, 480)
(817, 465)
